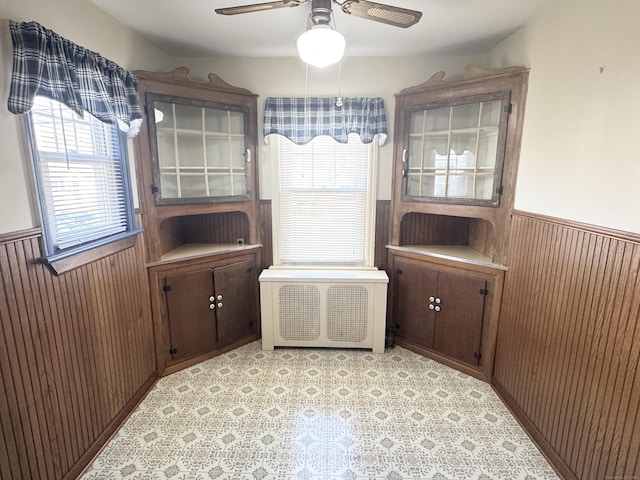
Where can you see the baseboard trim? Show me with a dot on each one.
(558, 464)
(449, 362)
(189, 362)
(96, 447)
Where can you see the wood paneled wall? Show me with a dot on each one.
(265, 232)
(430, 229)
(223, 227)
(383, 208)
(76, 354)
(568, 350)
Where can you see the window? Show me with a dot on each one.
(82, 179)
(455, 152)
(324, 202)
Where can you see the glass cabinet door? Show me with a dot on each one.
(454, 153)
(199, 151)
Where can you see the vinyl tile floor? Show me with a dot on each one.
(320, 414)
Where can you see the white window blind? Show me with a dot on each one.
(325, 196)
(80, 177)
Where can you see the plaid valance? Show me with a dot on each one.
(44, 63)
(301, 119)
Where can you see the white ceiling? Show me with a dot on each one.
(192, 29)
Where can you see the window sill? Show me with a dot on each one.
(68, 261)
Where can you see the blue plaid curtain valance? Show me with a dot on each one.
(302, 119)
(44, 63)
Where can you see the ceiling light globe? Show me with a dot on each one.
(321, 45)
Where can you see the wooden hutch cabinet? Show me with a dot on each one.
(455, 163)
(197, 179)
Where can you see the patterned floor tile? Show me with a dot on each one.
(298, 414)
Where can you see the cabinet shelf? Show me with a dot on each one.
(199, 132)
(457, 253)
(190, 251)
(474, 130)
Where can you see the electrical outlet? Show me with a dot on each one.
(240, 241)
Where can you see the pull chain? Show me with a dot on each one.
(306, 81)
(339, 99)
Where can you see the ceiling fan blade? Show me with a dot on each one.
(396, 16)
(258, 7)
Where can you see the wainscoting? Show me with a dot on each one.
(568, 346)
(76, 355)
(76, 351)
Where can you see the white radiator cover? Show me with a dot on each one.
(323, 308)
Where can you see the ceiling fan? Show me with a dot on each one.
(321, 44)
(321, 11)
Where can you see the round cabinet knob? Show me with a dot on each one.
(431, 299)
(219, 297)
(212, 298)
(437, 300)
(431, 306)
(437, 308)
(212, 306)
(220, 305)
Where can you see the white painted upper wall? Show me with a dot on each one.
(578, 158)
(85, 24)
(577, 162)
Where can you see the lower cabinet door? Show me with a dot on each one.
(192, 323)
(413, 282)
(439, 309)
(235, 301)
(458, 323)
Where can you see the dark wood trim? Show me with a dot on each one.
(98, 445)
(180, 76)
(584, 227)
(450, 362)
(558, 464)
(64, 265)
(265, 227)
(381, 236)
(11, 237)
(471, 73)
(176, 367)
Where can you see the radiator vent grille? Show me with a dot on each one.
(299, 312)
(334, 308)
(347, 307)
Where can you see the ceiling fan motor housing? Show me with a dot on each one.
(321, 12)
